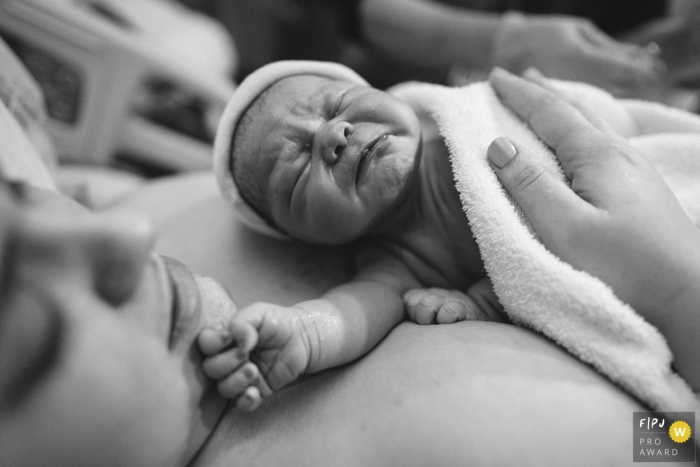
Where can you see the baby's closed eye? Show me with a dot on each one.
(338, 103)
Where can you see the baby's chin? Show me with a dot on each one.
(217, 304)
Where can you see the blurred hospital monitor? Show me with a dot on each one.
(125, 79)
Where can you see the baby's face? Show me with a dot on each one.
(333, 156)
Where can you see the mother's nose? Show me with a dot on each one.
(122, 243)
(108, 251)
(331, 138)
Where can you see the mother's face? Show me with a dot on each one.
(97, 362)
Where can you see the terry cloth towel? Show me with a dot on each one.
(536, 288)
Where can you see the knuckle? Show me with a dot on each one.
(625, 153)
(453, 309)
(610, 151)
(526, 176)
(544, 103)
(427, 301)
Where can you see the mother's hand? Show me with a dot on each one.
(618, 220)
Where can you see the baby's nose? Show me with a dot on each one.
(331, 139)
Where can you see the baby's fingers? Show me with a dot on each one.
(422, 305)
(425, 306)
(249, 400)
(244, 334)
(213, 341)
(236, 383)
(222, 364)
(238, 331)
(241, 334)
(455, 310)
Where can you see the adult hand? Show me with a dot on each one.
(618, 221)
(619, 125)
(573, 48)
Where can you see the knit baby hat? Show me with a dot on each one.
(244, 95)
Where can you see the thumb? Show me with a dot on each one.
(547, 201)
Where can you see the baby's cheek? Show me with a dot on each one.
(394, 176)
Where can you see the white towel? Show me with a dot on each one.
(536, 288)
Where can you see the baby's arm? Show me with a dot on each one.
(442, 306)
(267, 346)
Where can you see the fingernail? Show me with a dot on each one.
(225, 337)
(501, 151)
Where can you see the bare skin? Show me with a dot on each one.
(566, 47)
(94, 326)
(399, 198)
(311, 144)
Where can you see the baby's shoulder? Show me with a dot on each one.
(411, 256)
(375, 251)
(384, 258)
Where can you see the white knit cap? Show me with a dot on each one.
(251, 87)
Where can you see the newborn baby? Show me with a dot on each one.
(309, 150)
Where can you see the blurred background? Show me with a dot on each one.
(138, 85)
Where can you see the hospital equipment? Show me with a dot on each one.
(139, 81)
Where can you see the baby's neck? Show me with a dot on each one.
(430, 197)
(403, 213)
(429, 222)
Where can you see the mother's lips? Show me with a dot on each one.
(187, 303)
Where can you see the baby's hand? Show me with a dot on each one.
(426, 306)
(263, 348)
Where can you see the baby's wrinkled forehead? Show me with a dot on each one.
(295, 99)
(298, 95)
